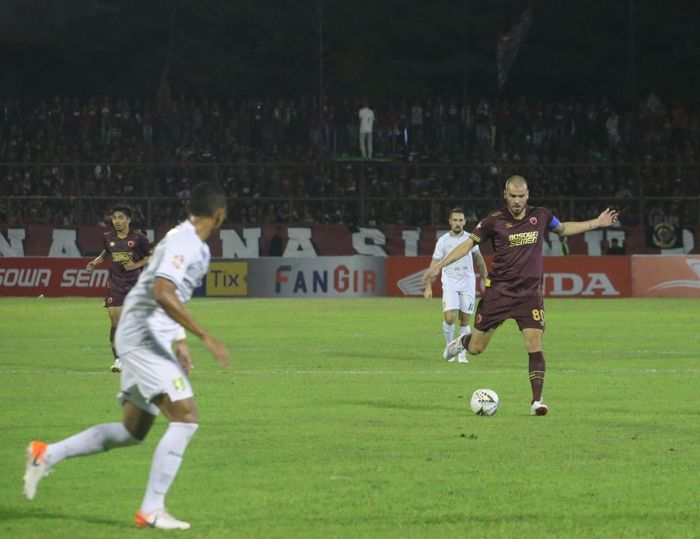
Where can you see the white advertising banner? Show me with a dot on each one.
(344, 276)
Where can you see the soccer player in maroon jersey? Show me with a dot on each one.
(514, 288)
(129, 250)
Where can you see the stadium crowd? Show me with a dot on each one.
(293, 149)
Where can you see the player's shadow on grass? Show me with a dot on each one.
(8, 514)
(393, 405)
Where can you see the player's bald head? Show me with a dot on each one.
(516, 182)
(516, 194)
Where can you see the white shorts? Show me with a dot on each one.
(146, 375)
(453, 300)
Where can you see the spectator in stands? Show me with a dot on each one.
(417, 123)
(615, 248)
(117, 134)
(276, 247)
(366, 116)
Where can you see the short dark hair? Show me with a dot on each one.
(456, 209)
(124, 208)
(206, 198)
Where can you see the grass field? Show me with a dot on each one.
(339, 419)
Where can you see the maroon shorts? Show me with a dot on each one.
(495, 308)
(115, 297)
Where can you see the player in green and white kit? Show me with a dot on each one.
(458, 280)
(151, 343)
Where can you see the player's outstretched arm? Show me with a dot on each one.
(455, 254)
(164, 294)
(571, 228)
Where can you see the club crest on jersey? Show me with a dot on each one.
(130, 243)
(533, 220)
(178, 261)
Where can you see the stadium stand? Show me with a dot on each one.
(64, 161)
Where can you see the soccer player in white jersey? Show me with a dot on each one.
(156, 360)
(458, 280)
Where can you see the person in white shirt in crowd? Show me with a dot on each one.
(366, 116)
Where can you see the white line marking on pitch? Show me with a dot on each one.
(328, 372)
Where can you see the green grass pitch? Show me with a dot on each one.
(340, 419)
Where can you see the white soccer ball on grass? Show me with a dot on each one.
(484, 402)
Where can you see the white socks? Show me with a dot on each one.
(93, 440)
(166, 462)
(448, 331)
(166, 459)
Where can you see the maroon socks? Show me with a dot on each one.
(536, 368)
(112, 331)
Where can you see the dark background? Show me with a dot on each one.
(375, 48)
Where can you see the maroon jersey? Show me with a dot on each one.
(135, 246)
(517, 249)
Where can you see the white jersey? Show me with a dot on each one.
(180, 257)
(366, 116)
(460, 274)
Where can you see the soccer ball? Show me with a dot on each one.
(484, 402)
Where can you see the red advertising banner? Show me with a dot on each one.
(572, 276)
(321, 240)
(666, 276)
(51, 277)
(404, 276)
(588, 276)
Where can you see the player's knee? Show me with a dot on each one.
(123, 437)
(533, 344)
(191, 418)
(188, 416)
(475, 349)
(131, 440)
(136, 435)
(476, 345)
